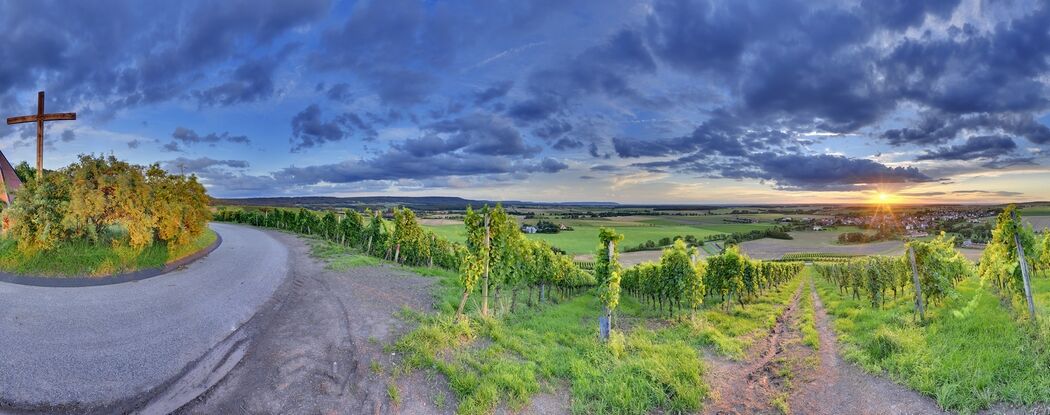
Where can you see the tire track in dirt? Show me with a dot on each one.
(835, 386)
(750, 387)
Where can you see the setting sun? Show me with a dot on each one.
(884, 198)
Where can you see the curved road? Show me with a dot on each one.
(95, 346)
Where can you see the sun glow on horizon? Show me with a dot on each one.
(884, 198)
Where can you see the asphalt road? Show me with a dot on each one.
(95, 346)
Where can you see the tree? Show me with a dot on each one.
(607, 275)
(25, 172)
(178, 205)
(35, 220)
(104, 192)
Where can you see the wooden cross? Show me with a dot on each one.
(39, 119)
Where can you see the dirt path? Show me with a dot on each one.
(782, 375)
(319, 346)
(751, 386)
(838, 387)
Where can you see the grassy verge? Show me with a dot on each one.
(807, 322)
(488, 361)
(341, 258)
(971, 353)
(78, 258)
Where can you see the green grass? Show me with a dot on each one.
(971, 353)
(1035, 211)
(489, 361)
(80, 258)
(583, 239)
(341, 258)
(807, 323)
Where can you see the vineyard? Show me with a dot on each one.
(515, 318)
(817, 257)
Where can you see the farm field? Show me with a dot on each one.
(582, 240)
(818, 241)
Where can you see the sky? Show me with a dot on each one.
(664, 101)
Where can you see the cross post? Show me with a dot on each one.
(39, 119)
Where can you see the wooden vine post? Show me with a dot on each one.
(369, 248)
(433, 244)
(604, 326)
(918, 287)
(1024, 266)
(488, 260)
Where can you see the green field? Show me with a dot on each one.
(583, 239)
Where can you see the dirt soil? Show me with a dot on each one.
(318, 348)
(781, 374)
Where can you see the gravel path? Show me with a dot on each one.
(320, 349)
(103, 348)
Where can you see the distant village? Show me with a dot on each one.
(973, 225)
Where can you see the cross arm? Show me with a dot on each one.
(46, 117)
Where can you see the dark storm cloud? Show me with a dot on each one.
(188, 136)
(977, 147)
(310, 129)
(552, 129)
(479, 144)
(820, 172)
(171, 147)
(116, 54)
(397, 165)
(720, 135)
(339, 92)
(827, 172)
(482, 134)
(251, 81)
(202, 164)
(380, 38)
(604, 69)
(973, 71)
(496, 91)
(939, 128)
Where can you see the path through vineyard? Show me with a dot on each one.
(781, 371)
